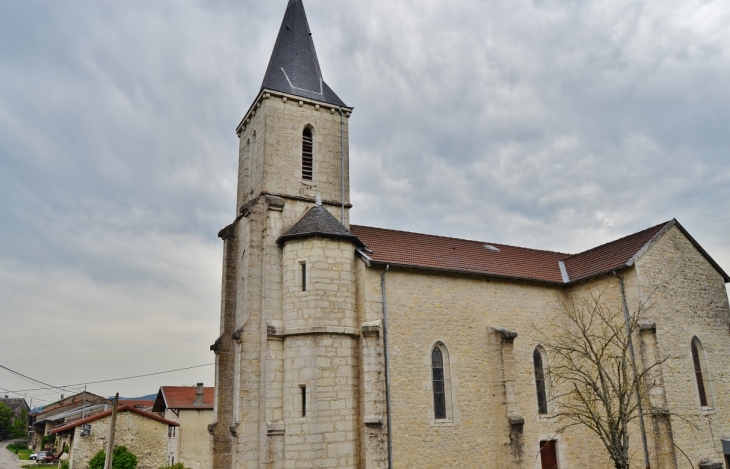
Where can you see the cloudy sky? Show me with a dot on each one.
(553, 124)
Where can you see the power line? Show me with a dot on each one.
(35, 380)
(24, 396)
(107, 380)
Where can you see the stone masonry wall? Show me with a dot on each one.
(461, 313)
(145, 437)
(276, 155)
(688, 299)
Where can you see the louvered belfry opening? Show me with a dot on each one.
(540, 383)
(439, 384)
(307, 155)
(698, 373)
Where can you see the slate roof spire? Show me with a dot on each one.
(293, 67)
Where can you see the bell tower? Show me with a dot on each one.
(287, 354)
(294, 137)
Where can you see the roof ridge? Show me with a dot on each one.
(618, 240)
(463, 239)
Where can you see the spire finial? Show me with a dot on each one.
(318, 201)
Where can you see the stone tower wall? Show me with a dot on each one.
(277, 121)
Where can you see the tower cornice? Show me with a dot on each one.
(265, 94)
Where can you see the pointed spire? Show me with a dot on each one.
(294, 67)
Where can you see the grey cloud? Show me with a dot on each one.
(551, 124)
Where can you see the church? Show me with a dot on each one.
(354, 347)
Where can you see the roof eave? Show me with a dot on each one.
(314, 234)
(267, 93)
(694, 242)
(374, 262)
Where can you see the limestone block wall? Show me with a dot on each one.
(321, 430)
(688, 298)
(145, 437)
(275, 132)
(461, 313)
(329, 298)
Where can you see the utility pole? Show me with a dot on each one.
(112, 430)
(83, 409)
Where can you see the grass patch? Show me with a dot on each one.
(31, 466)
(22, 451)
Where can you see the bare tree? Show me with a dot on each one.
(593, 379)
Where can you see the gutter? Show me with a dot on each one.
(387, 372)
(636, 373)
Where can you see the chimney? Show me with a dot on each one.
(199, 396)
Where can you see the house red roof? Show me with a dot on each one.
(138, 403)
(182, 397)
(423, 251)
(121, 408)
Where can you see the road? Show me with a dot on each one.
(8, 460)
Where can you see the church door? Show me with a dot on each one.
(549, 454)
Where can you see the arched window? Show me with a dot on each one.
(307, 154)
(701, 374)
(252, 157)
(247, 164)
(440, 377)
(540, 381)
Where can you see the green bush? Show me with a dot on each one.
(64, 465)
(20, 446)
(123, 459)
(48, 439)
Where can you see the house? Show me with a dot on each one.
(18, 407)
(76, 407)
(308, 374)
(145, 434)
(192, 408)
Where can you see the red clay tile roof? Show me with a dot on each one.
(610, 256)
(400, 248)
(108, 413)
(138, 403)
(183, 397)
(459, 255)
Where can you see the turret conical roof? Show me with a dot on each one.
(293, 67)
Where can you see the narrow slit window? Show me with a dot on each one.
(307, 155)
(304, 276)
(304, 401)
(700, 368)
(542, 406)
(439, 384)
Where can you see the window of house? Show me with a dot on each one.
(440, 376)
(307, 155)
(304, 276)
(701, 374)
(540, 381)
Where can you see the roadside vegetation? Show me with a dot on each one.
(21, 449)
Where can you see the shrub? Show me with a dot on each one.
(14, 446)
(47, 439)
(64, 465)
(123, 459)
